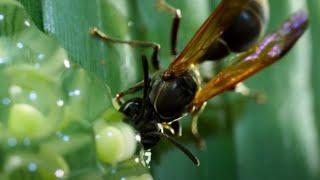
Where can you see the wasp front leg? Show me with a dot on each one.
(137, 87)
(117, 101)
(134, 43)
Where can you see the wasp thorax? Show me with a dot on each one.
(170, 98)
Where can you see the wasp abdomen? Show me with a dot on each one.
(242, 33)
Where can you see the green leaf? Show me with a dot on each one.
(276, 140)
(48, 105)
(279, 140)
(314, 7)
(70, 23)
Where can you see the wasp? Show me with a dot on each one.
(171, 93)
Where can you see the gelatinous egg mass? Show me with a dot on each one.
(49, 109)
(115, 142)
(26, 121)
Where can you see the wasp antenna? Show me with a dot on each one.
(188, 153)
(146, 82)
(145, 75)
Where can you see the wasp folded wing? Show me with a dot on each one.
(268, 51)
(208, 33)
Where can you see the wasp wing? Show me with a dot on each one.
(268, 51)
(208, 33)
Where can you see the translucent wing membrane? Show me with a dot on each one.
(268, 51)
(209, 32)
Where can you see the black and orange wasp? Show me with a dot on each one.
(235, 26)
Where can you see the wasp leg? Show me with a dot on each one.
(194, 128)
(164, 6)
(174, 128)
(134, 43)
(242, 89)
(137, 87)
(177, 128)
(195, 133)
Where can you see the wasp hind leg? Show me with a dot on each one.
(242, 89)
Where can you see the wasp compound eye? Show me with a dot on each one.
(132, 108)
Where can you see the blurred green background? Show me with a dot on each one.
(245, 140)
